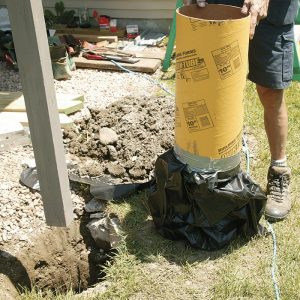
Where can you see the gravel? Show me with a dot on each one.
(100, 88)
(21, 213)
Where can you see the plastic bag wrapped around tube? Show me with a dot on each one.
(207, 210)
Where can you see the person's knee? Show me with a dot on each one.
(270, 98)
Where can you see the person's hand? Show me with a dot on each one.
(201, 3)
(258, 10)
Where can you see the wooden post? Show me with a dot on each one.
(33, 55)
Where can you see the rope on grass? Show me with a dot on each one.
(247, 153)
(274, 266)
(270, 228)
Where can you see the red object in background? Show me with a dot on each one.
(132, 35)
(104, 22)
(95, 14)
(113, 25)
(132, 31)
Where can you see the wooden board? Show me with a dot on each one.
(88, 31)
(150, 54)
(14, 142)
(9, 127)
(145, 65)
(93, 38)
(14, 102)
(22, 118)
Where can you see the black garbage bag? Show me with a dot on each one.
(207, 210)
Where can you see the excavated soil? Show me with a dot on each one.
(57, 260)
(144, 129)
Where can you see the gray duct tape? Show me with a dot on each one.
(205, 164)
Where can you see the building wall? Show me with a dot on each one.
(132, 9)
(154, 14)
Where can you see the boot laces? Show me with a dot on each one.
(278, 187)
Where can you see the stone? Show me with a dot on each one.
(136, 172)
(113, 153)
(95, 205)
(107, 136)
(105, 232)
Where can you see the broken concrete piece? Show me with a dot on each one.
(107, 136)
(95, 205)
(105, 232)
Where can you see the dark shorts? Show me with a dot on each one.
(271, 55)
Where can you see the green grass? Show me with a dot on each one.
(150, 267)
(240, 272)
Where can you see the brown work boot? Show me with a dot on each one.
(278, 195)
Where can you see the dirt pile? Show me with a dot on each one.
(124, 140)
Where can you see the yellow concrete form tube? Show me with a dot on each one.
(211, 69)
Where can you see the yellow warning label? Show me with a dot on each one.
(228, 59)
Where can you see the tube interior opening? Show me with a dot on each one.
(212, 12)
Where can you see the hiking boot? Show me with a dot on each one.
(278, 195)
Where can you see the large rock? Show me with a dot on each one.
(105, 232)
(107, 136)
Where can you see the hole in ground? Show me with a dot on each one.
(57, 259)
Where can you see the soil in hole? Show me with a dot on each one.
(142, 130)
(58, 259)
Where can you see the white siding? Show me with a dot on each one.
(143, 9)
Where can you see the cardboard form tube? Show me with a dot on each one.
(211, 68)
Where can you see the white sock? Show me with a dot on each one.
(279, 162)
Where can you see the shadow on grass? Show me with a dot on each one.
(143, 241)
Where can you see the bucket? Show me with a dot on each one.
(211, 69)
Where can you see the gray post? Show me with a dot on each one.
(30, 39)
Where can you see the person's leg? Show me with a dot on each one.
(276, 126)
(276, 120)
(271, 69)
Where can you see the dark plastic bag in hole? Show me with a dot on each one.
(207, 210)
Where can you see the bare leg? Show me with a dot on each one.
(276, 125)
(276, 120)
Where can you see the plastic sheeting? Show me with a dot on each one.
(100, 188)
(207, 210)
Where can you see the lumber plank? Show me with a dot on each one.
(93, 38)
(22, 118)
(14, 102)
(14, 142)
(9, 128)
(145, 65)
(88, 31)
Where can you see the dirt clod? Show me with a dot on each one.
(107, 136)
